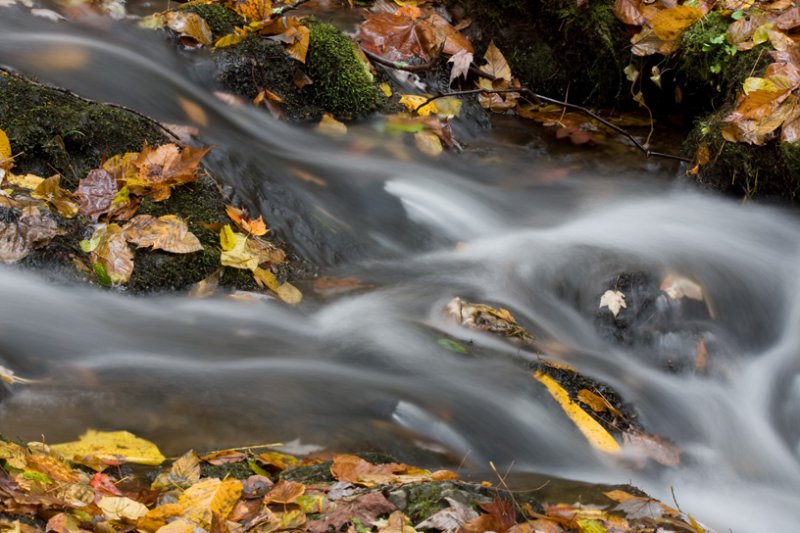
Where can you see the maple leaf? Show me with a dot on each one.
(255, 227)
(461, 61)
(614, 300)
(158, 169)
(168, 233)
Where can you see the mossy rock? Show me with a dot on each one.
(547, 41)
(711, 71)
(769, 171)
(54, 131)
(342, 84)
(220, 20)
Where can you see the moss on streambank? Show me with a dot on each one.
(547, 42)
(53, 131)
(341, 84)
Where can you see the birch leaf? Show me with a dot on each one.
(112, 447)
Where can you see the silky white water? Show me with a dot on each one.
(365, 370)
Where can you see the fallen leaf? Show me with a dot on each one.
(450, 40)
(113, 447)
(210, 496)
(109, 249)
(278, 460)
(677, 287)
(158, 169)
(24, 229)
(253, 10)
(451, 519)
(596, 402)
(669, 24)
(121, 509)
(157, 518)
(95, 193)
(701, 356)
(28, 181)
(364, 508)
(428, 143)
(629, 12)
(496, 64)
(614, 300)
(356, 470)
(652, 447)
(597, 436)
(502, 511)
(397, 523)
(8, 375)
(285, 492)
(51, 192)
(461, 61)
(483, 317)
(183, 473)
(239, 254)
(397, 37)
(169, 233)
(6, 157)
(191, 27)
(331, 127)
(206, 287)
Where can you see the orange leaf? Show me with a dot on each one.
(669, 24)
(255, 227)
(285, 492)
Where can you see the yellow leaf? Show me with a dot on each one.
(413, 101)
(157, 518)
(496, 65)
(289, 293)
(758, 84)
(231, 39)
(13, 454)
(239, 255)
(5, 146)
(428, 143)
(189, 25)
(597, 436)
(299, 48)
(7, 375)
(397, 523)
(254, 10)
(177, 526)
(669, 24)
(208, 497)
(112, 447)
(28, 181)
(111, 252)
(227, 238)
(331, 127)
(121, 509)
(386, 89)
(51, 192)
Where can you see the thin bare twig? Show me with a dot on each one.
(398, 65)
(538, 99)
(278, 11)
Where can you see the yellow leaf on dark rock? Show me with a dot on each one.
(51, 192)
(168, 233)
(255, 227)
(110, 250)
(669, 24)
(597, 436)
(113, 447)
(191, 27)
(28, 181)
(210, 496)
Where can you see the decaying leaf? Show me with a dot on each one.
(496, 63)
(183, 473)
(95, 193)
(398, 37)
(121, 508)
(169, 233)
(364, 509)
(285, 291)
(486, 318)
(428, 143)
(597, 436)
(23, 229)
(614, 300)
(113, 447)
(461, 61)
(285, 492)
(155, 170)
(28, 181)
(192, 28)
(652, 447)
(109, 249)
(62, 200)
(451, 519)
(208, 497)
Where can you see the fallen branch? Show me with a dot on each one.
(538, 99)
(398, 65)
(278, 11)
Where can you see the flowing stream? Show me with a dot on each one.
(365, 369)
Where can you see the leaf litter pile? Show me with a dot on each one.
(33, 211)
(115, 481)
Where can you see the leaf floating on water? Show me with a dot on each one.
(169, 233)
(112, 447)
(597, 436)
(614, 300)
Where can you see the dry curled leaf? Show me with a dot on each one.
(62, 200)
(96, 192)
(169, 233)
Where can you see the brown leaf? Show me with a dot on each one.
(168, 233)
(95, 193)
(223, 457)
(496, 63)
(51, 192)
(396, 37)
(669, 24)
(23, 230)
(451, 40)
(183, 473)
(255, 227)
(353, 469)
(461, 61)
(503, 512)
(285, 492)
(110, 250)
(450, 519)
(191, 27)
(364, 508)
(629, 12)
(158, 169)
